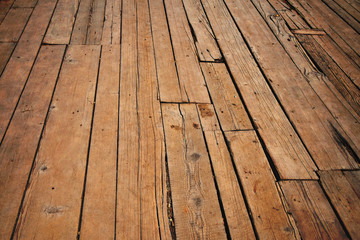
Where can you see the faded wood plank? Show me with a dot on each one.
(24, 3)
(208, 117)
(344, 193)
(319, 130)
(312, 212)
(228, 105)
(170, 88)
(288, 153)
(18, 68)
(5, 53)
(5, 5)
(112, 23)
(350, 8)
(235, 210)
(20, 143)
(187, 63)
(61, 25)
(98, 220)
(13, 24)
(204, 38)
(196, 208)
(51, 209)
(254, 171)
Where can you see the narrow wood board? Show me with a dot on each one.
(170, 88)
(258, 181)
(204, 38)
(195, 203)
(319, 130)
(13, 24)
(112, 23)
(312, 212)
(62, 22)
(308, 31)
(98, 219)
(24, 3)
(14, 77)
(5, 53)
(344, 193)
(186, 59)
(237, 217)
(19, 146)
(227, 102)
(283, 144)
(51, 209)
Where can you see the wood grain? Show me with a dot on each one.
(5, 53)
(13, 24)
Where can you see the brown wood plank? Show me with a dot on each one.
(96, 22)
(112, 23)
(5, 5)
(285, 148)
(13, 24)
(232, 199)
(20, 143)
(344, 193)
(354, 3)
(5, 53)
(62, 22)
(312, 212)
(319, 130)
(352, 10)
(98, 220)
(18, 68)
(204, 38)
(228, 105)
(24, 3)
(208, 117)
(268, 213)
(308, 31)
(51, 209)
(188, 67)
(196, 208)
(170, 88)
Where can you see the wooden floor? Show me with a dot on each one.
(179, 119)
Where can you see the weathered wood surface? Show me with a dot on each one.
(112, 23)
(13, 24)
(5, 53)
(4, 8)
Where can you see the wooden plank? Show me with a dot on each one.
(18, 68)
(51, 209)
(196, 208)
(228, 105)
(312, 212)
(170, 88)
(5, 53)
(319, 130)
(208, 117)
(112, 23)
(254, 171)
(5, 5)
(20, 143)
(308, 31)
(188, 67)
(232, 199)
(96, 22)
(354, 3)
(284, 146)
(98, 219)
(13, 24)
(350, 8)
(204, 38)
(24, 3)
(62, 22)
(344, 193)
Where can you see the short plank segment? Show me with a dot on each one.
(24, 3)
(13, 24)
(20, 143)
(5, 52)
(98, 220)
(285, 148)
(196, 208)
(112, 23)
(270, 219)
(344, 193)
(204, 38)
(311, 210)
(18, 68)
(228, 105)
(51, 209)
(62, 22)
(235, 210)
(170, 88)
(187, 62)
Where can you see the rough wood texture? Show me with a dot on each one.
(5, 52)
(208, 117)
(25, 3)
(312, 211)
(19, 146)
(51, 209)
(112, 23)
(343, 190)
(13, 24)
(4, 8)
(196, 207)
